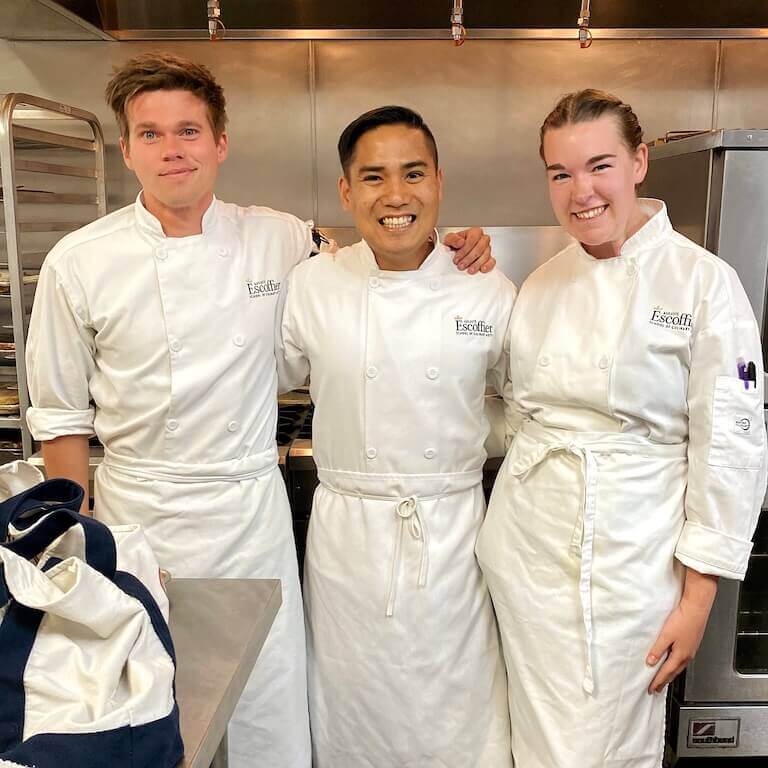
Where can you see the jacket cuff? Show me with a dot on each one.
(50, 423)
(712, 552)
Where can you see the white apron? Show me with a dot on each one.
(641, 452)
(404, 664)
(570, 583)
(173, 340)
(405, 667)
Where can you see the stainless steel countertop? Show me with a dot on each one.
(218, 627)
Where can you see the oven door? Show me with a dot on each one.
(732, 662)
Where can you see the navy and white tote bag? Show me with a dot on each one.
(87, 665)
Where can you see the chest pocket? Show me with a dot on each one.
(738, 434)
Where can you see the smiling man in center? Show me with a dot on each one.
(404, 664)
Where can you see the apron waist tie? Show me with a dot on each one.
(408, 512)
(582, 542)
(246, 468)
(408, 515)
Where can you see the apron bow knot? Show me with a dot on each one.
(408, 512)
(407, 509)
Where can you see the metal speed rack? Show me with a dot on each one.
(52, 181)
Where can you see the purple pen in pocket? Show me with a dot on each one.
(741, 367)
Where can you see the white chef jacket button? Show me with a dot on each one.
(373, 282)
(239, 340)
(371, 371)
(175, 345)
(544, 360)
(171, 425)
(232, 426)
(603, 363)
(434, 284)
(223, 252)
(161, 254)
(371, 453)
(631, 269)
(433, 373)
(430, 453)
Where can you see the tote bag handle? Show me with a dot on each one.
(47, 511)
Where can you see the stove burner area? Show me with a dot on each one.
(290, 420)
(294, 427)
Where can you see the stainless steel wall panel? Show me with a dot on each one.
(742, 99)
(267, 89)
(485, 102)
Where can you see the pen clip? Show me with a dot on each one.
(742, 369)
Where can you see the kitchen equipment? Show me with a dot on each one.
(302, 481)
(716, 188)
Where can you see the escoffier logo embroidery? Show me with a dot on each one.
(258, 288)
(676, 321)
(472, 327)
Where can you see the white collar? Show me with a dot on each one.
(654, 231)
(150, 224)
(433, 264)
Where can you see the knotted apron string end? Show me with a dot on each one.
(588, 684)
(408, 513)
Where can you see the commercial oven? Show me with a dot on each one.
(716, 188)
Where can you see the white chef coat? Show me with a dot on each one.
(164, 348)
(403, 660)
(641, 451)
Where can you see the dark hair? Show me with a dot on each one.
(375, 118)
(590, 104)
(165, 72)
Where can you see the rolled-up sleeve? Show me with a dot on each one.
(60, 358)
(727, 440)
